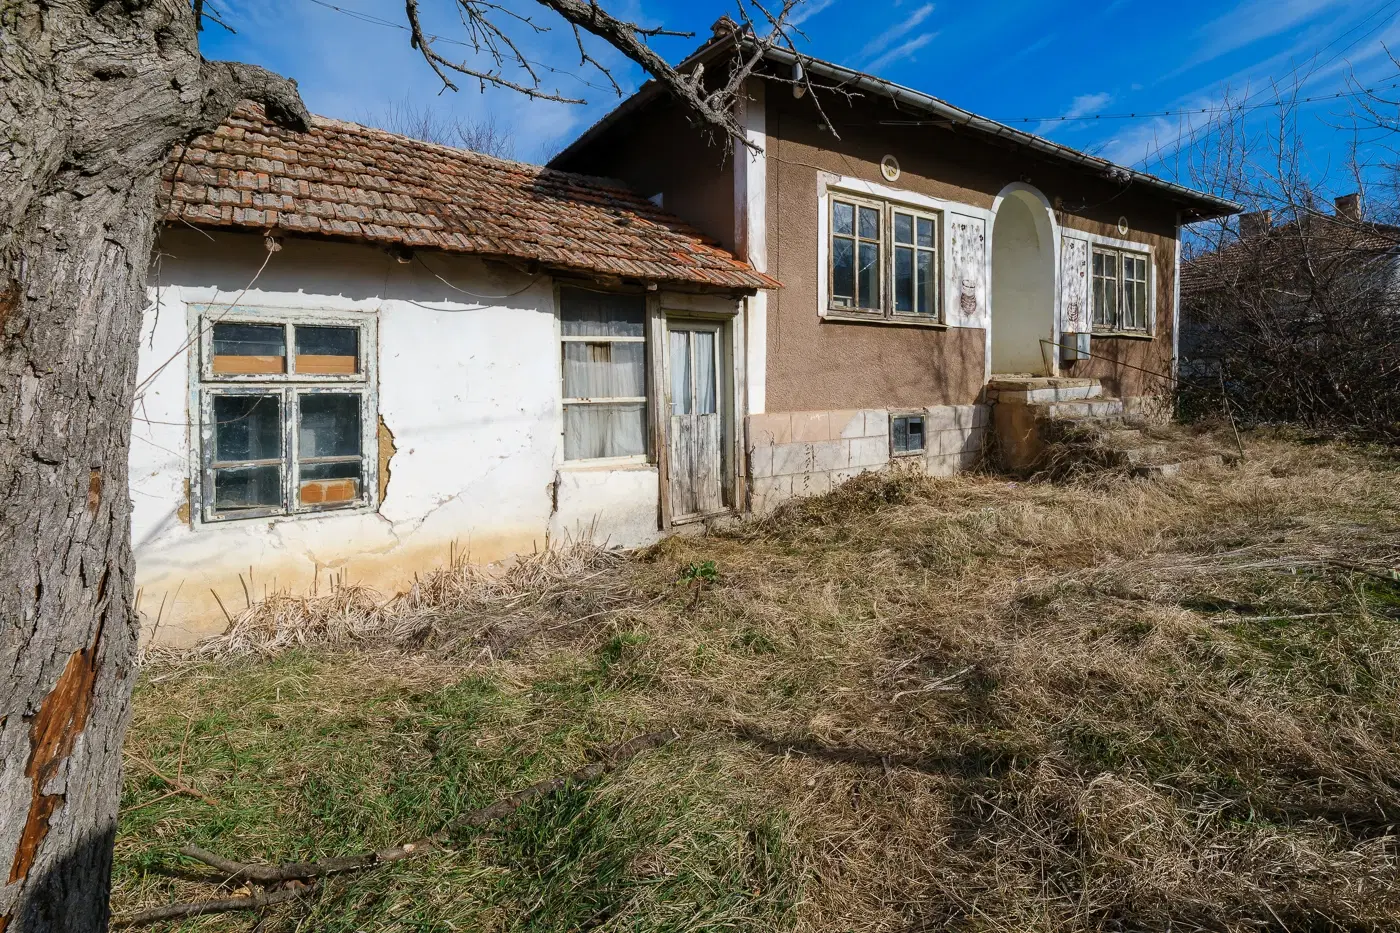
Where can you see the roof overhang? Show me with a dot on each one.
(1194, 205)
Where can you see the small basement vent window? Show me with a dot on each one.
(906, 434)
(285, 433)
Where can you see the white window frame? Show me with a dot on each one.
(645, 400)
(1119, 249)
(291, 387)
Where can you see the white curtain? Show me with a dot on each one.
(604, 370)
(705, 401)
(617, 430)
(680, 372)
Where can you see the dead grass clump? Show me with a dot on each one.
(963, 704)
(462, 607)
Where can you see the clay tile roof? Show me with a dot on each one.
(351, 181)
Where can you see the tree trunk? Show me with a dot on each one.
(93, 96)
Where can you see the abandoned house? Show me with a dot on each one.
(364, 353)
(1307, 273)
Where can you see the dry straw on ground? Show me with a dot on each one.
(977, 704)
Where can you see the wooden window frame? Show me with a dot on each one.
(290, 387)
(1116, 326)
(644, 400)
(885, 310)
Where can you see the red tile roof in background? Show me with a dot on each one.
(352, 182)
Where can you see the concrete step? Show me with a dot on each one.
(1178, 467)
(1037, 390)
(1103, 408)
(1048, 394)
(1135, 456)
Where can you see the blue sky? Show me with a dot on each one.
(1006, 59)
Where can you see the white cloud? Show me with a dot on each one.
(1081, 106)
(807, 10)
(896, 32)
(901, 51)
(1252, 21)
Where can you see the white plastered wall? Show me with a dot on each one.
(469, 388)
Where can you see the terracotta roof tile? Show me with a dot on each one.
(346, 180)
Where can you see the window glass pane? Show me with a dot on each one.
(1110, 304)
(680, 372)
(239, 488)
(604, 370)
(843, 272)
(925, 232)
(598, 314)
(327, 350)
(927, 282)
(869, 275)
(869, 223)
(249, 348)
(705, 401)
(907, 432)
(592, 431)
(1140, 290)
(903, 228)
(330, 483)
(843, 218)
(330, 425)
(904, 279)
(247, 427)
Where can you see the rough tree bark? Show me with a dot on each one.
(93, 96)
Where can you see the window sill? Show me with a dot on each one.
(607, 464)
(1122, 335)
(852, 317)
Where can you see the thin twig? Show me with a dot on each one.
(180, 786)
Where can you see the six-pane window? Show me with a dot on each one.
(604, 363)
(275, 442)
(1120, 291)
(883, 260)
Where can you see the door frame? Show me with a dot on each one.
(661, 314)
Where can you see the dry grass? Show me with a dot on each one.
(912, 704)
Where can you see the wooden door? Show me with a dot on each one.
(697, 420)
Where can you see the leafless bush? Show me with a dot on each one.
(1290, 310)
(485, 135)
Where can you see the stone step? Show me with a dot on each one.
(1046, 394)
(1178, 467)
(1103, 408)
(1135, 456)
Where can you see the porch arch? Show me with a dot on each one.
(1025, 247)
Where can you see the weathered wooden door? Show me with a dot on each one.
(697, 419)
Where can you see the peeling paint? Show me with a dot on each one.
(472, 393)
(52, 735)
(386, 454)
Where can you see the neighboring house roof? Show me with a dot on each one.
(1275, 252)
(352, 182)
(1199, 204)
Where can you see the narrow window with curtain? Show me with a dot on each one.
(604, 371)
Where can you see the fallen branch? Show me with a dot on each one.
(177, 785)
(255, 901)
(609, 759)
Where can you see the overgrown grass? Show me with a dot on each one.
(912, 704)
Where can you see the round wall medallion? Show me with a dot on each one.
(889, 167)
(1122, 225)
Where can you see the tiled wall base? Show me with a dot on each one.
(805, 453)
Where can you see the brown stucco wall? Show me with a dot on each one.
(818, 364)
(658, 150)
